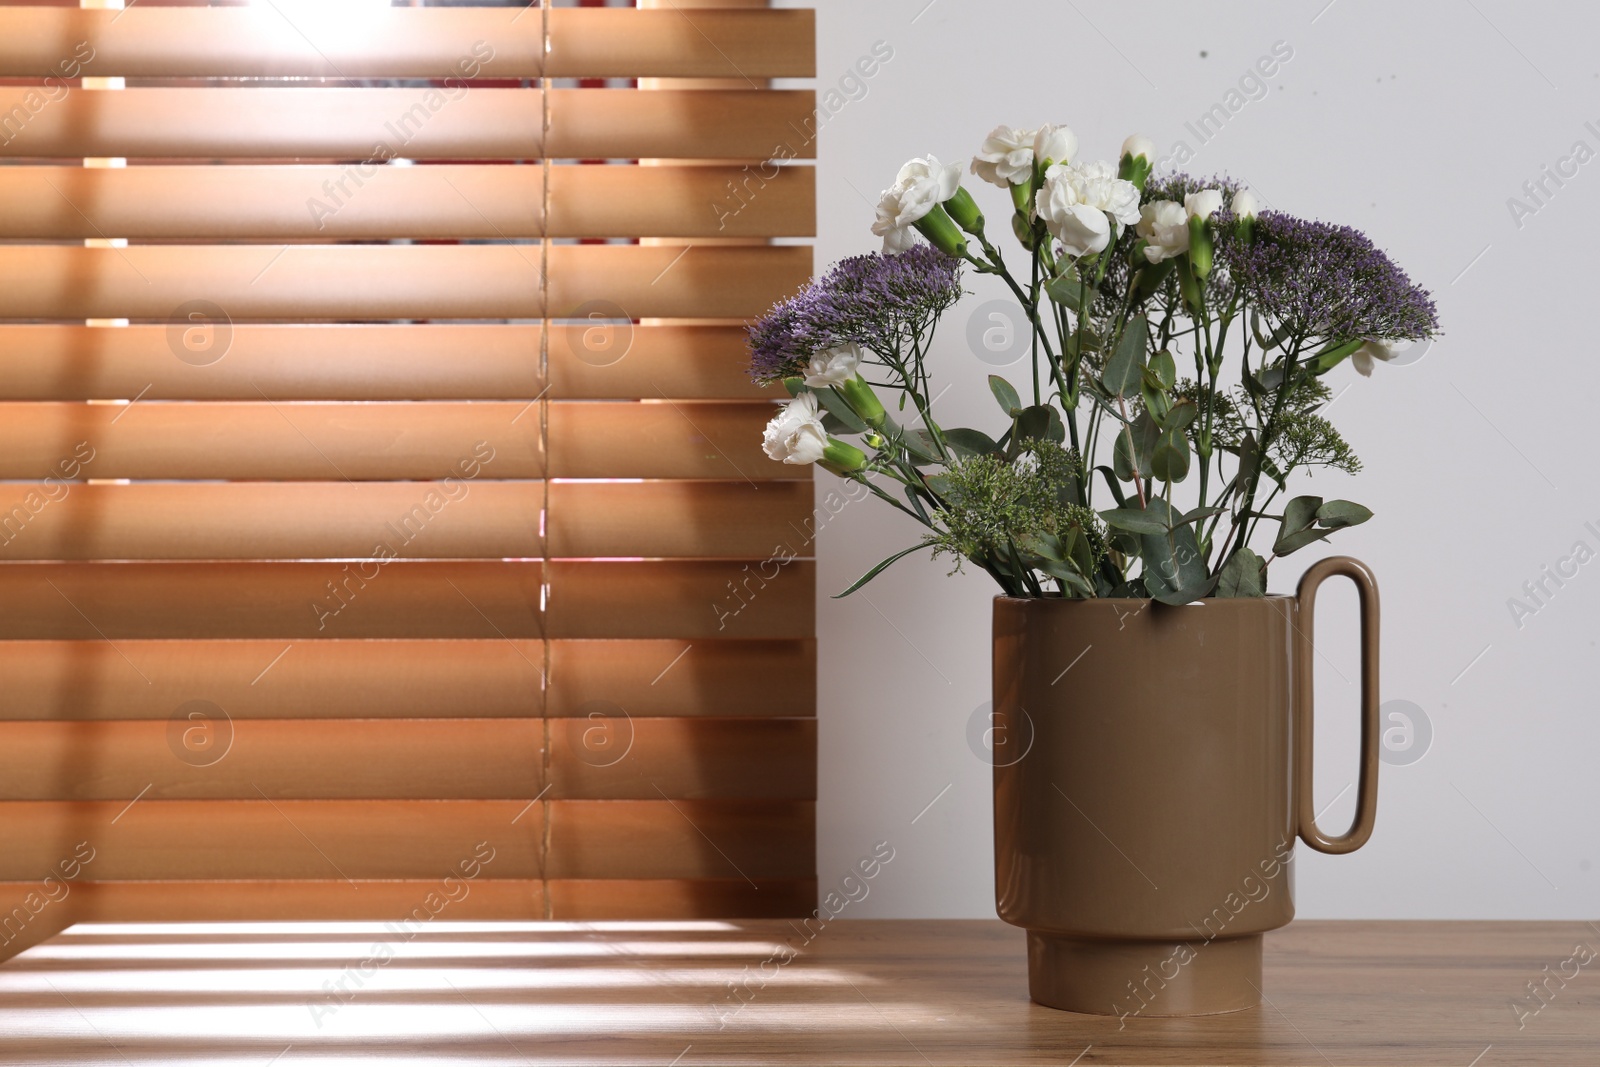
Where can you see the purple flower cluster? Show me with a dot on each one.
(880, 302)
(1178, 185)
(1325, 281)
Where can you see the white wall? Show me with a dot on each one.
(1415, 122)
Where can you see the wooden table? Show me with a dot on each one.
(708, 992)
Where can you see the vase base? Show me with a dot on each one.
(1144, 979)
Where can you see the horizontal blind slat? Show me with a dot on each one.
(438, 42)
(453, 122)
(331, 282)
(383, 440)
(199, 752)
(698, 43)
(257, 123)
(686, 599)
(369, 201)
(344, 361)
(336, 678)
(454, 519)
(245, 440)
(271, 838)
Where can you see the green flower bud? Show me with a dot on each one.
(842, 458)
(964, 211)
(863, 401)
(1199, 248)
(940, 230)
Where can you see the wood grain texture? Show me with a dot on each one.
(265, 439)
(678, 518)
(212, 124)
(721, 124)
(92, 679)
(196, 42)
(366, 201)
(663, 439)
(688, 599)
(406, 43)
(198, 751)
(447, 123)
(385, 441)
(452, 519)
(611, 43)
(373, 361)
(301, 283)
(289, 600)
(275, 838)
(671, 676)
(1340, 994)
(594, 359)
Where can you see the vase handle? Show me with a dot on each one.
(1367, 796)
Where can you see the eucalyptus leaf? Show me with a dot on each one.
(1135, 520)
(1164, 368)
(1132, 590)
(1337, 514)
(1180, 416)
(1010, 402)
(1287, 543)
(1242, 575)
(1041, 422)
(1169, 461)
(1199, 514)
(1133, 446)
(1300, 513)
(964, 442)
(1124, 370)
(1174, 570)
(1066, 290)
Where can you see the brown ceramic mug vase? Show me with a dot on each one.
(1152, 772)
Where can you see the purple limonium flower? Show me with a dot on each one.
(879, 301)
(1325, 281)
(1178, 185)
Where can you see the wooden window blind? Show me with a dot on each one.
(379, 476)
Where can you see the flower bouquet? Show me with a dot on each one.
(1132, 461)
(1180, 341)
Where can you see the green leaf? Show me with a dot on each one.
(1010, 402)
(1300, 513)
(1243, 575)
(1200, 513)
(965, 442)
(1133, 446)
(1180, 416)
(1337, 514)
(1041, 422)
(875, 571)
(1124, 370)
(1298, 528)
(1164, 368)
(1066, 290)
(1174, 570)
(835, 405)
(1169, 461)
(1135, 520)
(1287, 543)
(1270, 340)
(1110, 477)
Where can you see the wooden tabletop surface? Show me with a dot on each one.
(861, 992)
